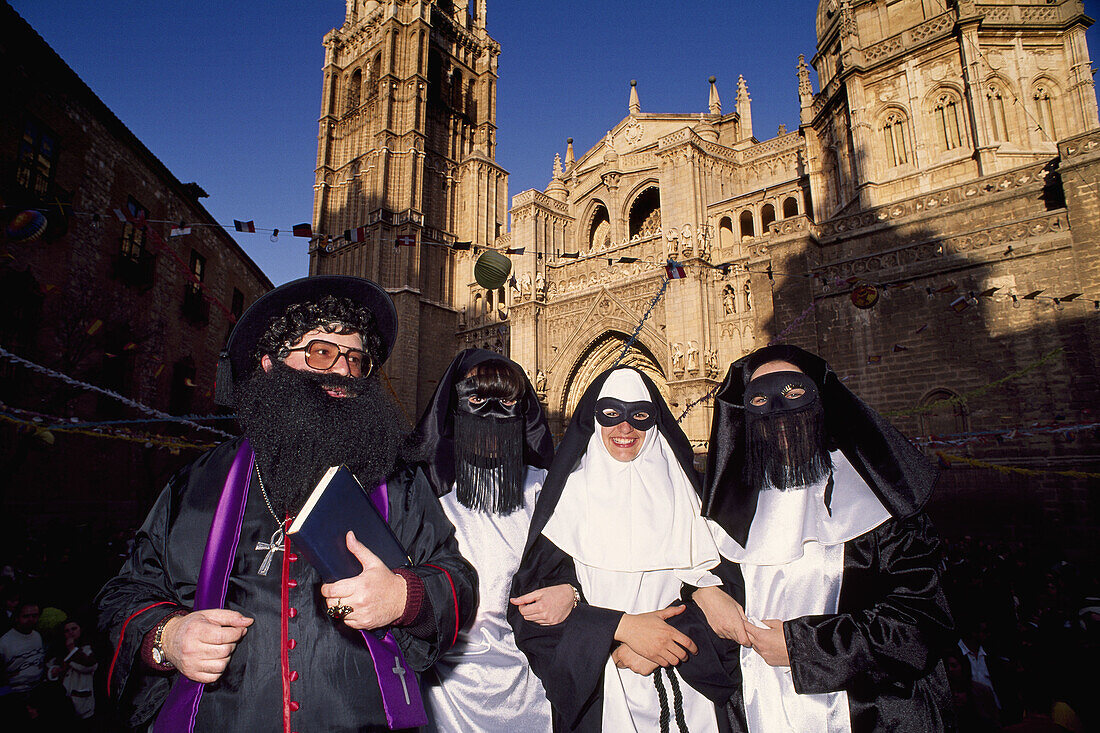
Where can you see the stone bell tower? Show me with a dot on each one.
(406, 167)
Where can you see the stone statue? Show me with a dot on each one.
(540, 381)
(729, 303)
(540, 286)
(677, 356)
(525, 285)
(692, 356)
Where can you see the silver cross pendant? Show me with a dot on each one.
(272, 546)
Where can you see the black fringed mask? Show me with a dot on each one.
(787, 445)
(488, 450)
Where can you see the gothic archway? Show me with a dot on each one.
(601, 354)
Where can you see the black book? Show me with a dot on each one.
(338, 505)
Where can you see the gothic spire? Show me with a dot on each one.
(715, 102)
(635, 105)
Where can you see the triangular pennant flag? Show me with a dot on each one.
(924, 326)
(461, 245)
(899, 347)
(1071, 296)
(1032, 295)
(946, 288)
(628, 260)
(405, 240)
(179, 231)
(988, 292)
(570, 255)
(302, 230)
(358, 234)
(960, 304)
(516, 250)
(244, 226)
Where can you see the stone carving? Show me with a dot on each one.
(672, 242)
(692, 356)
(729, 303)
(677, 357)
(710, 359)
(525, 286)
(540, 286)
(540, 382)
(686, 247)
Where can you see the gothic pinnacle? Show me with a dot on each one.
(635, 105)
(715, 103)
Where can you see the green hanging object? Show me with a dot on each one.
(492, 269)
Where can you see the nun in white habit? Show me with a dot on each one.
(618, 517)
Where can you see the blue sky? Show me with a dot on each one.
(228, 93)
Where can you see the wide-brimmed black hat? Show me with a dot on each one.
(238, 360)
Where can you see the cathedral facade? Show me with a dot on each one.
(931, 228)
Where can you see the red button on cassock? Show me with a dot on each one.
(291, 644)
(292, 583)
(292, 612)
(293, 706)
(293, 557)
(294, 676)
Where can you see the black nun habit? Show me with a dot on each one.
(848, 562)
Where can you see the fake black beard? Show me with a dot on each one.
(298, 430)
(489, 469)
(787, 450)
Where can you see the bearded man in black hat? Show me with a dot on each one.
(217, 620)
(818, 500)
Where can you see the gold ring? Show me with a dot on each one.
(339, 611)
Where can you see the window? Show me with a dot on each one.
(790, 207)
(747, 227)
(133, 231)
(37, 158)
(198, 269)
(645, 214)
(355, 87)
(767, 216)
(725, 232)
(237, 308)
(1044, 105)
(599, 232)
(946, 417)
(947, 122)
(894, 136)
(195, 306)
(997, 119)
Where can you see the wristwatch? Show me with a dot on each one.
(158, 649)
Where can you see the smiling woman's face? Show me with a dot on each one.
(623, 441)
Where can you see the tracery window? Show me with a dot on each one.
(947, 122)
(897, 145)
(355, 87)
(1044, 105)
(997, 119)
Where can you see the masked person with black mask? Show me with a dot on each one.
(486, 447)
(817, 500)
(217, 621)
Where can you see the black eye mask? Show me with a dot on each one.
(625, 411)
(773, 387)
(491, 407)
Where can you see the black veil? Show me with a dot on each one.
(898, 473)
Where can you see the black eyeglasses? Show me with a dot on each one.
(323, 355)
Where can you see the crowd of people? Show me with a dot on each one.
(603, 584)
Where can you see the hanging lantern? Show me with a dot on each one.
(26, 226)
(492, 269)
(864, 296)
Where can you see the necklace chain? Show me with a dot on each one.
(268, 501)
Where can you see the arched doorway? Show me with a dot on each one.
(601, 354)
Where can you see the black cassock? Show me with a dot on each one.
(296, 668)
(882, 646)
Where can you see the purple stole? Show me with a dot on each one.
(397, 683)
